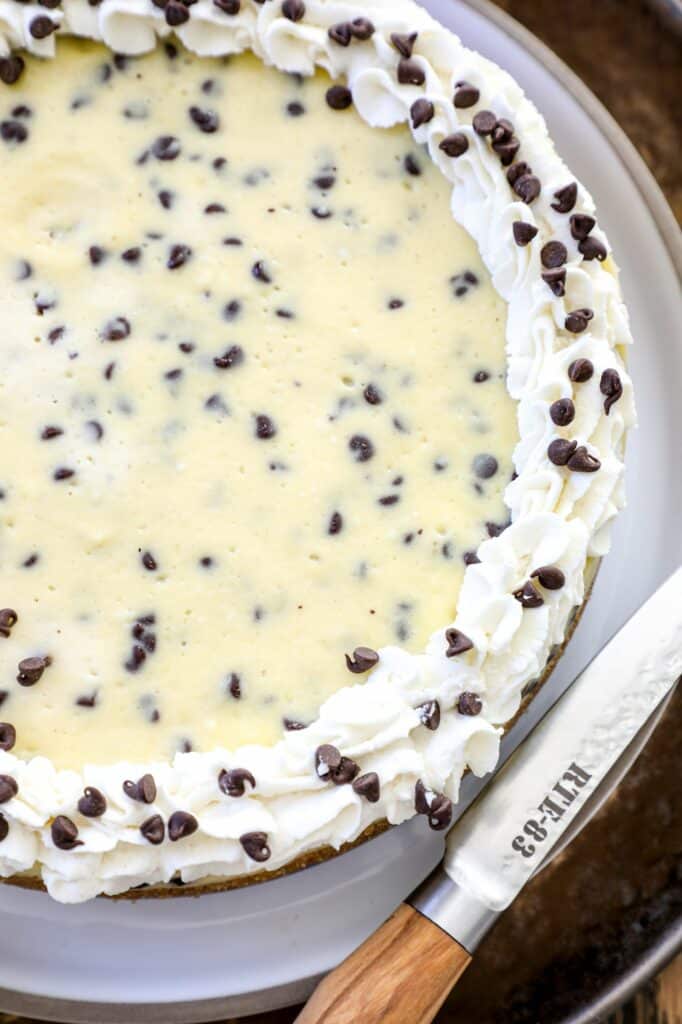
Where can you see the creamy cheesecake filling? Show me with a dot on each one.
(253, 410)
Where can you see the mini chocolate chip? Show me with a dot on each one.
(255, 845)
(404, 42)
(372, 395)
(321, 212)
(523, 233)
(582, 462)
(14, 131)
(364, 658)
(484, 122)
(265, 427)
(291, 725)
(260, 272)
(180, 825)
(421, 804)
(96, 254)
(153, 830)
(228, 6)
(559, 451)
(458, 643)
(549, 576)
(527, 596)
(577, 320)
(8, 619)
(96, 429)
(503, 130)
(368, 786)
(410, 72)
(592, 249)
(412, 167)
(553, 254)
(11, 69)
(178, 256)
(439, 814)
(206, 120)
(421, 112)
(4, 824)
(166, 147)
(338, 97)
(469, 704)
(64, 833)
(293, 9)
(527, 187)
(8, 788)
(327, 758)
(87, 700)
(429, 713)
(555, 280)
(495, 529)
(466, 95)
(132, 255)
(562, 412)
(232, 357)
(610, 386)
(233, 782)
(581, 225)
(176, 13)
(580, 370)
(41, 27)
(294, 109)
(335, 523)
(341, 33)
(49, 432)
(454, 145)
(148, 561)
(116, 329)
(137, 658)
(485, 466)
(214, 208)
(93, 803)
(480, 376)
(31, 670)
(143, 791)
(166, 198)
(234, 685)
(507, 150)
(63, 473)
(8, 736)
(362, 447)
(362, 29)
(565, 198)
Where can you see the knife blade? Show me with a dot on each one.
(404, 971)
(503, 838)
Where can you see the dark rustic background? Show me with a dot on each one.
(586, 919)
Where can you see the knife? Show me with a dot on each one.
(403, 972)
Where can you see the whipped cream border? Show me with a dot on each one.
(558, 518)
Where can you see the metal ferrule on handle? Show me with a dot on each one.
(457, 912)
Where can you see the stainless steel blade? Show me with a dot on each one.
(535, 799)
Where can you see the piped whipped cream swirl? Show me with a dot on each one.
(559, 518)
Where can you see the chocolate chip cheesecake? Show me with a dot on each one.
(312, 415)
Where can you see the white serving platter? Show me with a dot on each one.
(254, 949)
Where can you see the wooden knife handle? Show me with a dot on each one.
(400, 975)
